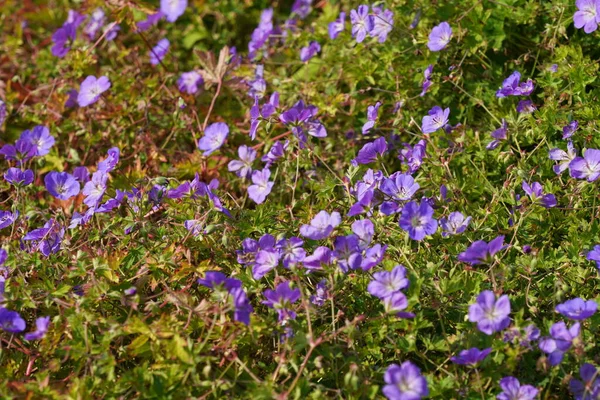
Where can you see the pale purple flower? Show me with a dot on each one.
(321, 293)
(371, 151)
(565, 157)
(193, 226)
(261, 186)
(91, 89)
(337, 26)
(308, 52)
(439, 37)
(265, 261)
(524, 337)
(490, 314)
(395, 304)
(577, 308)
(302, 8)
(94, 189)
(587, 15)
(569, 129)
(243, 166)
(7, 218)
(383, 22)
(536, 194)
(150, 20)
(261, 34)
(18, 177)
(95, 22)
(281, 299)
(588, 388)
(173, 9)
(292, 251)
(418, 220)
(498, 135)
(321, 225)
(40, 138)
(404, 382)
(362, 23)
(61, 185)
(526, 107)
(214, 137)
(386, 283)
(399, 187)
(111, 32)
(372, 112)
(586, 167)
(513, 390)
(365, 230)
(158, 52)
(455, 224)
(41, 327)
(560, 341)
(436, 119)
(189, 82)
(472, 356)
(321, 256)
(373, 257)
(481, 252)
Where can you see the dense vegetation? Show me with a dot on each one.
(227, 199)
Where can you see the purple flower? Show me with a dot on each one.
(40, 138)
(481, 252)
(113, 30)
(91, 89)
(111, 160)
(594, 255)
(383, 22)
(281, 300)
(404, 382)
(436, 119)
(321, 225)
(412, 156)
(172, 9)
(3, 112)
(588, 388)
(81, 174)
(524, 338)
(308, 52)
(17, 177)
(455, 224)
(265, 261)
(399, 187)
(22, 151)
(418, 220)
(513, 87)
(158, 52)
(71, 101)
(426, 81)
(261, 33)
(586, 167)
(439, 37)
(7, 218)
(41, 327)
(586, 16)
(491, 315)
(526, 107)
(95, 22)
(364, 230)
(242, 306)
(565, 157)
(569, 129)
(395, 303)
(560, 341)
(386, 283)
(321, 293)
(513, 390)
(214, 279)
(275, 153)
(94, 189)
(243, 166)
(536, 193)
(46, 239)
(577, 308)
(373, 256)
(261, 186)
(193, 226)
(214, 137)
(337, 26)
(62, 38)
(321, 256)
(150, 20)
(188, 82)
(371, 117)
(371, 151)
(292, 251)
(362, 23)
(498, 135)
(11, 321)
(347, 253)
(471, 357)
(62, 185)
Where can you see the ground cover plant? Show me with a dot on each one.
(303, 199)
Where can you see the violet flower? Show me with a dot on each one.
(275, 153)
(471, 357)
(336, 27)
(7, 218)
(61, 185)
(383, 22)
(347, 252)
(512, 86)
(559, 342)
(426, 80)
(404, 382)
(587, 15)
(371, 151)
(291, 251)
(594, 255)
(321, 256)
(158, 52)
(261, 186)
(577, 308)
(498, 135)
(214, 137)
(490, 314)
(418, 220)
(41, 327)
(455, 224)
(40, 138)
(481, 252)
(439, 37)
(588, 388)
(11, 321)
(371, 117)
(173, 9)
(513, 390)
(18, 177)
(386, 283)
(362, 23)
(281, 299)
(321, 225)
(565, 157)
(536, 193)
(243, 166)
(189, 82)
(321, 293)
(569, 129)
(308, 52)
(436, 119)
(586, 167)
(91, 89)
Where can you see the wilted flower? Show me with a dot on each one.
(439, 37)
(426, 81)
(46, 239)
(404, 382)
(91, 89)
(569, 129)
(7, 218)
(526, 107)
(150, 20)
(95, 22)
(490, 314)
(321, 293)
(577, 308)
(498, 135)
(193, 226)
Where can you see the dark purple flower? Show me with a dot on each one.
(490, 314)
(371, 151)
(594, 255)
(214, 137)
(292, 251)
(61, 185)
(243, 166)
(18, 177)
(22, 151)
(281, 299)
(62, 38)
(455, 224)
(41, 327)
(569, 129)
(242, 306)
(71, 101)
(560, 341)
(513, 390)
(11, 321)
(471, 356)
(158, 52)
(565, 157)
(439, 37)
(173, 9)
(481, 252)
(371, 117)
(587, 15)
(40, 138)
(386, 283)
(383, 22)
(275, 153)
(418, 220)
(426, 81)
(526, 107)
(321, 293)
(337, 26)
(362, 23)
(512, 86)
(321, 225)
(588, 388)
(81, 174)
(577, 308)
(261, 186)
(404, 382)
(436, 119)
(498, 135)
(536, 193)
(91, 89)
(308, 52)
(586, 167)
(347, 252)
(189, 82)
(214, 279)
